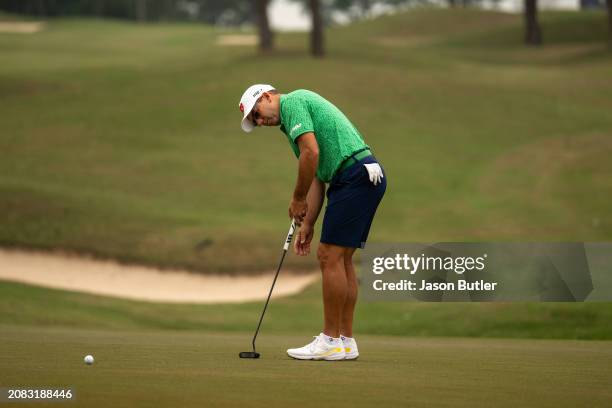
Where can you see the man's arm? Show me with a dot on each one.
(308, 163)
(314, 199)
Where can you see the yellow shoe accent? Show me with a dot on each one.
(347, 349)
(327, 353)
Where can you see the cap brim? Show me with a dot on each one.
(246, 125)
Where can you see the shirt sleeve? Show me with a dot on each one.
(298, 119)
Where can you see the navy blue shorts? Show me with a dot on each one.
(352, 201)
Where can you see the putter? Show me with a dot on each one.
(255, 354)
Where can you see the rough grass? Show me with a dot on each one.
(122, 140)
(32, 306)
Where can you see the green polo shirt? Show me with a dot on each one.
(304, 111)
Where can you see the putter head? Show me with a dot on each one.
(249, 354)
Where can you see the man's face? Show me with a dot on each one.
(266, 111)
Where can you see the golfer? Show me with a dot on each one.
(330, 151)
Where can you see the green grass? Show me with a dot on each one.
(122, 140)
(33, 306)
(143, 369)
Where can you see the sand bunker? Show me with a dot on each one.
(110, 278)
(237, 40)
(20, 27)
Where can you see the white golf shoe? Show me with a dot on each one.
(321, 348)
(350, 348)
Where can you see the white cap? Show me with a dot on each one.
(247, 102)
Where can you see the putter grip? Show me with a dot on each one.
(289, 235)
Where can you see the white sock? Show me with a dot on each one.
(346, 338)
(331, 340)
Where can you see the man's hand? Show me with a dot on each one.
(298, 210)
(301, 245)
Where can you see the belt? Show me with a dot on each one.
(355, 157)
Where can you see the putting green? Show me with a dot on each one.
(154, 368)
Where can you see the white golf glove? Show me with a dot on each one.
(375, 172)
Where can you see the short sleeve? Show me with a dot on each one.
(297, 119)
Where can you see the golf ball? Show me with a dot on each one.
(89, 360)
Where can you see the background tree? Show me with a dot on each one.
(169, 9)
(208, 11)
(141, 10)
(317, 47)
(609, 3)
(266, 37)
(99, 8)
(533, 33)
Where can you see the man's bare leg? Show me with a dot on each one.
(335, 288)
(346, 322)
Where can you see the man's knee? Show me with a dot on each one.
(329, 255)
(348, 257)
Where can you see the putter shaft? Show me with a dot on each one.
(280, 264)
